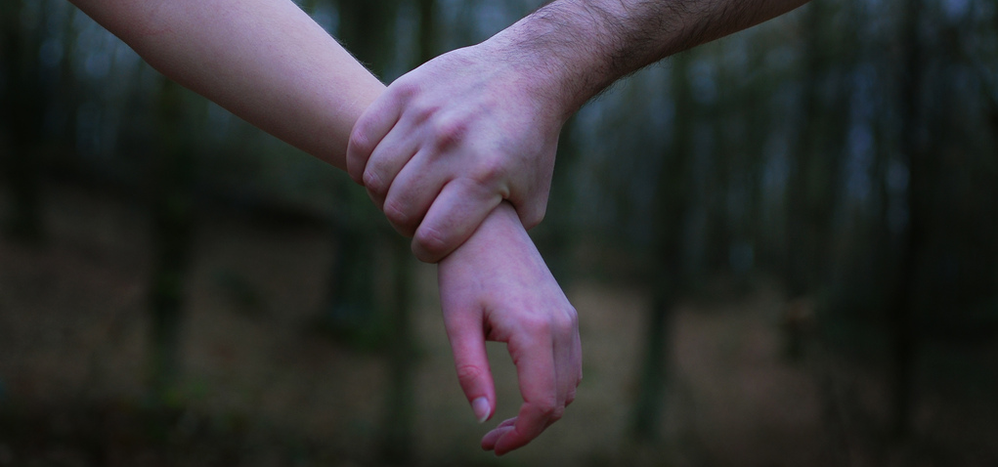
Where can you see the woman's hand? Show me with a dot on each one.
(496, 287)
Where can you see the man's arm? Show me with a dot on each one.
(451, 139)
(583, 46)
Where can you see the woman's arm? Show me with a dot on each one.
(269, 63)
(264, 60)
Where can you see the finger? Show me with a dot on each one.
(394, 152)
(523, 431)
(539, 388)
(531, 204)
(467, 339)
(577, 368)
(413, 191)
(490, 438)
(532, 209)
(455, 214)
(578, 360)
(372, 126)
(564, 359)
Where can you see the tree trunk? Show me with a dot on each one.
(367, 30)
(555, 237)
(24, 104)
(397, 432)
(172, 208)
(813, 182)
(901, 304)
(397, 438)
(671, 199)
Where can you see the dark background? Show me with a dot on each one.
(783, 247)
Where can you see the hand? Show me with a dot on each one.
(496, 287)
(447, 142)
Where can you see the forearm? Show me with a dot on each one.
(264, 60)
(570, 50)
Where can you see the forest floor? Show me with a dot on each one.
(261, 387)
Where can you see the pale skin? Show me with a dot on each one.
(453, 138)
(269, 63)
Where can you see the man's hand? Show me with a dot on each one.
(496, 287)
(451, 139)
(447, 142)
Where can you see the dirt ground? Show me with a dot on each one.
(73, 337)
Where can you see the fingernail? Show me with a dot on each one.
(481, 408)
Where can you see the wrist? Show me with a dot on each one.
(550, 76)
(567, 52)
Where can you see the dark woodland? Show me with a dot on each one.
(782, 245)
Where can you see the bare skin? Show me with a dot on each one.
(451, 139)
(537, 324)
(269, 63)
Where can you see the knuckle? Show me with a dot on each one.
(422, 113)
(404, 88)
(551, 410)
(534, 217)
(432, 243)
(562, 323)
(360, 144)
(573, 316)
(567, 326)
(373, 182)
(468, 374)
(490, 172)
(420, 109)
(449, 133)
(537, 325)
(397, 216)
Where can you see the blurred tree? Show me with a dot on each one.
(397, 429)
(866, 96)
(945, 279)
(668, 278)
(367, 30)
(915, 158)
(173, 170)
(556, 236)
(755, 117)
(815, 176)
(23, 99)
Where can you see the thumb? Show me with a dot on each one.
(471, 360)
(452, 219)
(531, 210)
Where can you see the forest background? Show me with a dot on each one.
(783, 247)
